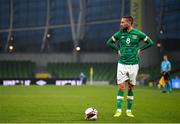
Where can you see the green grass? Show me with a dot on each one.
(53, 104)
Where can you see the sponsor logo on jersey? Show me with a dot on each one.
(122, 37)
(134, 36)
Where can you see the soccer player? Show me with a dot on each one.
(165, 71)
(126, 43)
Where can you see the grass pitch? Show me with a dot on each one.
(66, 104)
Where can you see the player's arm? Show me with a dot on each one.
(148, 43)
(111, 42)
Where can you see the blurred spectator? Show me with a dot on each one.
(165, 74)
(82, 77)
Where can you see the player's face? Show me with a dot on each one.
(165, 57)
(124, 24)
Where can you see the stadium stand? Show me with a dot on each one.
(17, 69)
(102, 71)
(25, 23)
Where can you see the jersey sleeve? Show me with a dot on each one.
(142, 35)
(148, 42)
(112, 40)
(115, 37)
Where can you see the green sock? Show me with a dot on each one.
(130, 99)
(120, 97)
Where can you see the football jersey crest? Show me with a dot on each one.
(134, 36)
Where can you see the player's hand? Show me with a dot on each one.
(119, 53)
(139, 52)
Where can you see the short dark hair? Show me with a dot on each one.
(129, 18)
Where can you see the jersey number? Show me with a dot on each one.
(128, 40)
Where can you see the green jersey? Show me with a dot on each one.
(128, 45)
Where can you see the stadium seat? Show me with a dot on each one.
(17, 69)
(102, 71)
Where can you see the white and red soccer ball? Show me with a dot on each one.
(91, 114)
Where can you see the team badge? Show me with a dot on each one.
(134, 36)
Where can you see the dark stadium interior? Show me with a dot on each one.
(41, 33)
(57, 64)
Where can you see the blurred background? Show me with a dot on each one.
(60, 39)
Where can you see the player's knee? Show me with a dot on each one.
(122, 87)
(130, 86)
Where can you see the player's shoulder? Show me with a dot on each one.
(137, 30)
(118, 32)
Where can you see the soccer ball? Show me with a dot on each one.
(91, 113)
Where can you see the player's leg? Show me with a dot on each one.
(169, 84)
(130, 98)
(164, 88)
(120, 98)
(132, 82)
(166, 78)
(121, 78)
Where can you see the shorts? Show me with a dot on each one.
(166, 76)
(127, 72)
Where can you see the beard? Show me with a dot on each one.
(124, 29)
